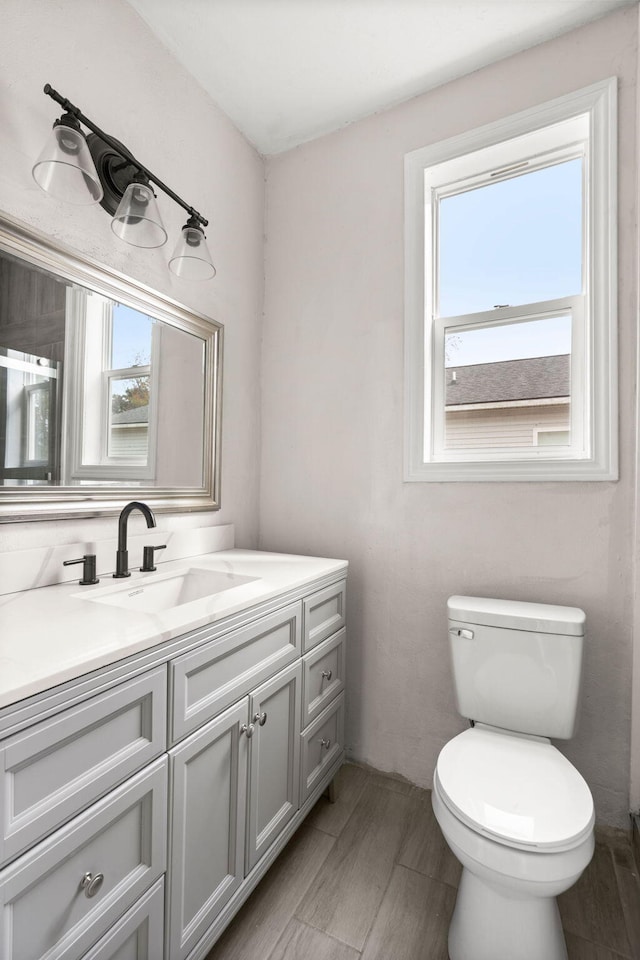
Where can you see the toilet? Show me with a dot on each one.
(514, 811)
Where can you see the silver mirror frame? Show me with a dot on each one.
(55, 503)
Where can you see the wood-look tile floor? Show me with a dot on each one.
(370, 878)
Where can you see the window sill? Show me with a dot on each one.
(516, 471)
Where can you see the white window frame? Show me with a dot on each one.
(593, 454)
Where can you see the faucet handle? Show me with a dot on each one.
(148, 559)
(88, 569)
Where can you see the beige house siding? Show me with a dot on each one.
(504, 426)
(129, 441)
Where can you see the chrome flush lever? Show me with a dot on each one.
(462, 633)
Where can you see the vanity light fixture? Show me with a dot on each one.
(97, 168)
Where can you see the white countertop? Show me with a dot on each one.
(56, 633)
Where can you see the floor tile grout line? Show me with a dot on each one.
(311, 926)
(355, 804)
(426, 876)
(313, 878)
(615, 955)
(391, 873)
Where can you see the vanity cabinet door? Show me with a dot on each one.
(208, 775)
(274, 764)
(57, 900)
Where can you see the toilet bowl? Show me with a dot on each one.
(514, 864)
(514, 811)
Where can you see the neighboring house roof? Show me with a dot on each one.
(535, 378)
(134, 415)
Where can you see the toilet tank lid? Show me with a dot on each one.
(517, 615)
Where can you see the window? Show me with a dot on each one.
(113, 350)
(510, 328)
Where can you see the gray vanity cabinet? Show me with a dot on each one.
(139, 808)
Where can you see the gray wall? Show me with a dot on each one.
(332, 429)
(103, 57)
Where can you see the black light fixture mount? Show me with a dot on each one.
(116, 169)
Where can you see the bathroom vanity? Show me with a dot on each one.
(159, 745)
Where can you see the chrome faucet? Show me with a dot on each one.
(122, 554)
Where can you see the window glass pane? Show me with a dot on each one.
(505, 384)
(129, 423)
(552, 438)
(131, 343)
(511, 242)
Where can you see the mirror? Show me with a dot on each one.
(108, 391)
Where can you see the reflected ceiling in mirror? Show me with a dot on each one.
(107, 389)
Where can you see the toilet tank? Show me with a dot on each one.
(517, 665)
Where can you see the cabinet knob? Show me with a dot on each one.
(91, 884)
(327, 674)
(260, 718)
(248, 730)
(326, 743)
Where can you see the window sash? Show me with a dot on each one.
(435, 415)
(436, 191)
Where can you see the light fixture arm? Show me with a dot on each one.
(122, 151)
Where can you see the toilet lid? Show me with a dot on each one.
(520, 790)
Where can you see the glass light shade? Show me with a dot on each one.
(137, 220)
(65, 168)
(191, 259)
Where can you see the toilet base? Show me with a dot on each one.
(487, 925)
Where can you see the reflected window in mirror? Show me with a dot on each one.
(108, 393)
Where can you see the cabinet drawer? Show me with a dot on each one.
(211, 678)
(58, 767)
(139, 935)
(322, 743)
(45, 910)
(323, 676)
(324, 613)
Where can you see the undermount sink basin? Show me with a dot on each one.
(168, 591)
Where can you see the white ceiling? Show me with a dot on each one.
(287, 71)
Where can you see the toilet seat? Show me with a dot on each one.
(518, 790)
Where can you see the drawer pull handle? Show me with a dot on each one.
(248, 730)
(325, 743)
(91, 884)
(327, 674)
(260, 718)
